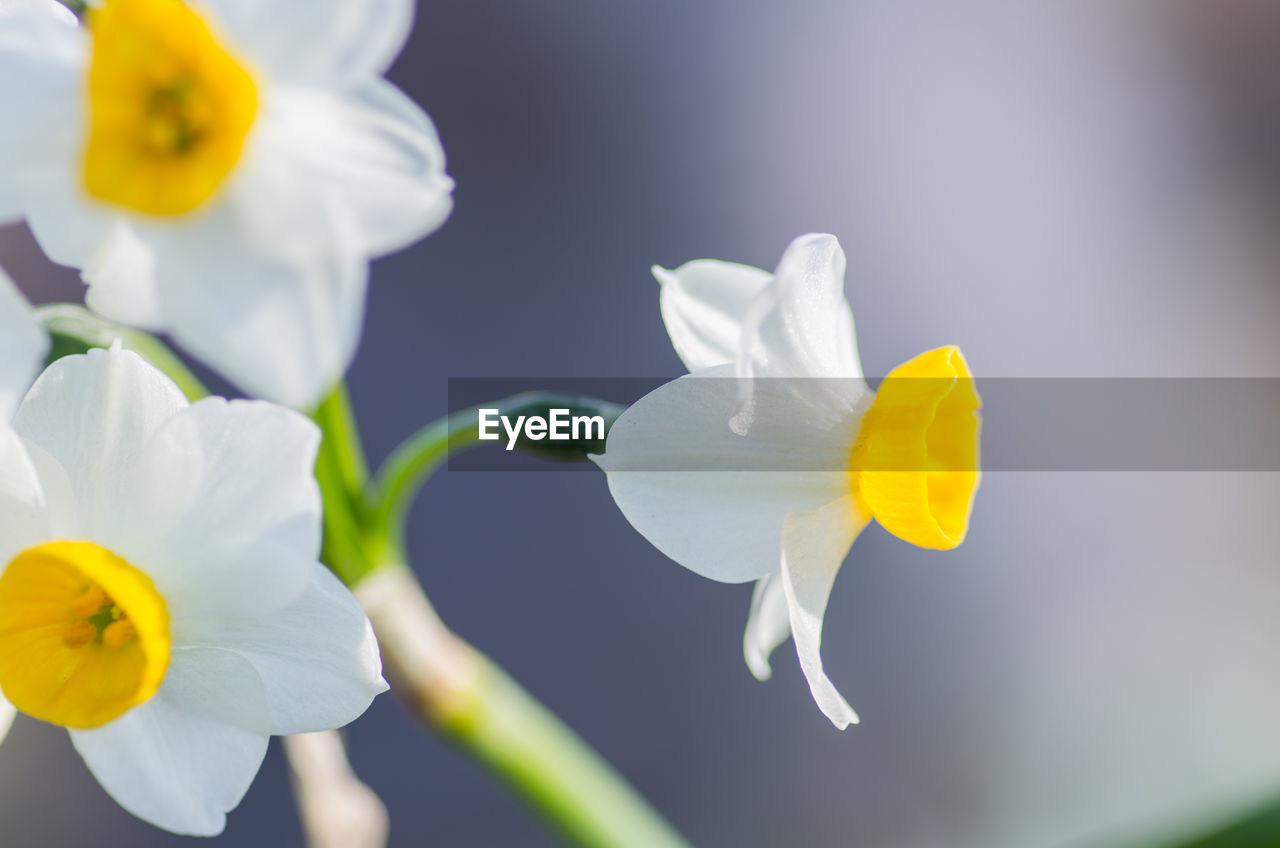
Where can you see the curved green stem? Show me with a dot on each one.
(74, 329)
(402, 475)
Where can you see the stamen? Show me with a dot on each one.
(78, 634)
(90, 602)
(118, 633)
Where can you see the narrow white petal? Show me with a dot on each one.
(376, 149)
(92, 414)
(269, 288)
(232, 508)
(329, 43)
(22, 348)
(814, 544)
(121, 274)
(703, 304)
(317, 657)
(709, 498)
(185, 758)
(801, 325)
(7, 715)
(768, 625)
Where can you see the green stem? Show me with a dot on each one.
(74, 329)
(402, 475)
(343, 476)
(336, 419)
(555, 772)
(447, 682)
(1257, 827)
(493, 720)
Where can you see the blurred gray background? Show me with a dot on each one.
(1078, 188)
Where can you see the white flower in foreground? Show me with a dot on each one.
(221, 169)
(160, 595)
(770, 472)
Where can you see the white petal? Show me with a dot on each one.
(121, 274)
(801, 325)
(68, 226)
(93, 414)
(323, 42)
(185, 758)
(24, 520)
(268, 286)
(231, 505)
(7, 715)
(690, 484)
(39, 13)
(703, 304)
(317, 658)
(376, 149)
(42, 54)
(814, 544)
(768, 625)
(22, 348)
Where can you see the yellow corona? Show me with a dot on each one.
(84, 636)
(915, 464)
(170, 108)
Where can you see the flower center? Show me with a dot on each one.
(84, 636)
(916, 459)
(169, 108)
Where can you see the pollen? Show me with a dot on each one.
(118, 633)
(170, 108)
(915, 465)
(84, 635)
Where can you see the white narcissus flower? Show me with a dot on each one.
(160, 592)
(222, 170)
(772, 471)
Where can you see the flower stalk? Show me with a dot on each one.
(74, 329)
(488, 716)
(337, 809)
(402, 475)
(447, 683)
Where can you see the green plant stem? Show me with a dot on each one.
(402, 475)
(556, 773)
(489, 717)
(338, 422)
(448, 683)
(343, 476)
(74, 329)
(1256, 826)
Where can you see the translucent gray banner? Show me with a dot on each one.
(1054, 424)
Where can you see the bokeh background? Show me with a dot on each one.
(1084, 188)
